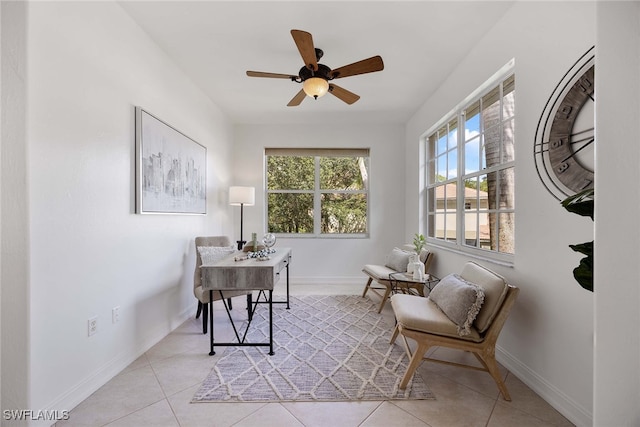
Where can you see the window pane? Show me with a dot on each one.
(452, 137)
(492, 144)
(442, 142)
(431, 204)
(471, 155)
(431, 225)
(506, 235)
(508, 100)
(290, 213)
(472, 122)
(441, 173)
(290, 173)
(450, 199)
(343, 173)
(491, 109)
(508, 138)
(343, 213)
(471, 229)
(439, 226)
(506, 189)
(452, 170)
(450, 230)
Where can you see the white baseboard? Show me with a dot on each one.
(569, 408)
(85, 388)
(303, 281)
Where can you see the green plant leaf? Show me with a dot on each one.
(583, 273)
(581, 203)
(584, 248)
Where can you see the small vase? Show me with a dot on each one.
(411, 265)
(418, 270)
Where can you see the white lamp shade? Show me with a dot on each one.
(242, 196)
(315, 87)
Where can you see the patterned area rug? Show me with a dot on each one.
(327, 348)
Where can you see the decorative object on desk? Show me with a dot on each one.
(327, 348)
(253, 245)
(170, 169)
(241, 196)
(269, 240)
(262, 254)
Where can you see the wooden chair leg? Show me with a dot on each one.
(491, 365)
(366, 287)
(414, 363)
(396, 330)
(199, 309)
(385, 297)
(205, 317)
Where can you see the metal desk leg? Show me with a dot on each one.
(211, 353)
(271, 353)
(287, 286)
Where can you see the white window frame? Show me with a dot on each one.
(459, 245)
(317, 192)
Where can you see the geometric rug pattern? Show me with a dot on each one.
(327, 348)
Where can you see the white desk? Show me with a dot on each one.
(250, 274)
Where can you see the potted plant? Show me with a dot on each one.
(583, 204)
(419, 242)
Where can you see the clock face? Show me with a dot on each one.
(564, 147)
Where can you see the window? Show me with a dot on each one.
(317, 192)
(470, 173)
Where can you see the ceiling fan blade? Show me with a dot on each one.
(304, 41)
(271, 75)
(296, 100)
(369, 65)
(343, 94)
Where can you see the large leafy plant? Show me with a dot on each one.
(583, 204)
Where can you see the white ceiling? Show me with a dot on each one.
(216, 42)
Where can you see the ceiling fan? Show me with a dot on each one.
(316, 78)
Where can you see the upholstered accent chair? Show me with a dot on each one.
(463, 312)
(213, 248)
(396, 262)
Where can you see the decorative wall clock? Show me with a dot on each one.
(564, 140)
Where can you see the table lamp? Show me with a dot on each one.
(241, 196)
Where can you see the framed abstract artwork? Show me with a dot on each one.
(170, 169)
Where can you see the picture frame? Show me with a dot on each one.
(171, 171)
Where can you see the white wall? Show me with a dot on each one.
(14, 220)
(324, 260)
(548, 339)
(89, 65)
(617, 235)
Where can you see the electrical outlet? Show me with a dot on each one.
(93, 325)
(115, 314)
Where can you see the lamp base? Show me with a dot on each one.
(241, 244)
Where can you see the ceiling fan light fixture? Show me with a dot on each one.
(315, 87)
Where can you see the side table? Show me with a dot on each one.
(405, 283)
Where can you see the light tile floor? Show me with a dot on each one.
(156, 390)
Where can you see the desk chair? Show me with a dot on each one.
(202, 296)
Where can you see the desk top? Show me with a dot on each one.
(248, 274)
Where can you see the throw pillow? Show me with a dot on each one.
(210, 254)
(459, 300)
(398, 259)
